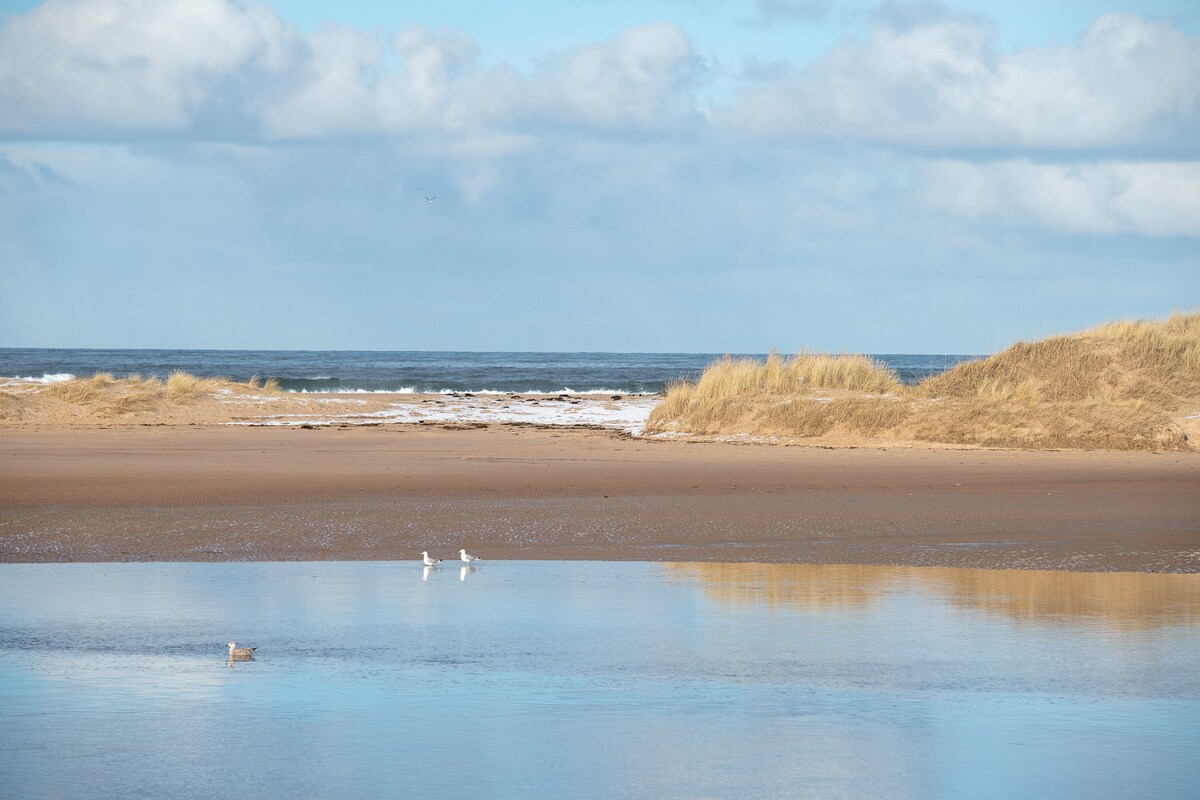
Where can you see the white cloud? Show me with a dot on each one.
(936, 81)
(924, 78)
(642, 80)
(338, 95)
(439, 86)
(1158, 199)
(216, 69)
(82, 69)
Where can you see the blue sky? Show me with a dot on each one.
(681, 175)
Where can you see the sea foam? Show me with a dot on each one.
(480, 392)
(28, 382)
(57, 377)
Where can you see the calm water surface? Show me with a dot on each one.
(570, 679)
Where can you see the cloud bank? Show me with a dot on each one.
(924, 77)
(937, 83)
(219, 70)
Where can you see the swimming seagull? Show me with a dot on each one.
(429, 199)
(467, 557)
(430, 562)
(240, 652)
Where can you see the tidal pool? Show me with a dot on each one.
(591, 679)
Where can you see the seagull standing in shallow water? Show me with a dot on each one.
(467, 557)
(430, 562)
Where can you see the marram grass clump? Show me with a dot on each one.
(120, 396)
(1124, 385)
(809, 394)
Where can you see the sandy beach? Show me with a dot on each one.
(214, 492)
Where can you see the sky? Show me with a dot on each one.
(609, 175)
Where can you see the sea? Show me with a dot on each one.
(413, 371)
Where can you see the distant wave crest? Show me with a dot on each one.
(351, 390)
(57, 377)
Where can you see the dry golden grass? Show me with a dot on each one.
(103, 395)
(1158, 362)
(1122, 386)
(184, 386)
(743, 395)
(82, 390)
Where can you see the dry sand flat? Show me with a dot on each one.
(217, 493)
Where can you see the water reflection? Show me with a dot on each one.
(1122, 600)
(425, 572)
(466, 570)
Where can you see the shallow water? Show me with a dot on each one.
(583, 679)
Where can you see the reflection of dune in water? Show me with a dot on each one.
(798, 585)
(1122, 599)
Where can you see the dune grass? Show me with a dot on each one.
(808, 394)
(1158, 362)
(82, 390)
(133, 394)
(1119, 386)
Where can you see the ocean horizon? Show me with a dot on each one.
(414, 371)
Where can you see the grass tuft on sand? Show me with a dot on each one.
(104, 396)
(809, 393)
(1124, 385)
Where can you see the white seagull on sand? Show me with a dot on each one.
(430, 562)
(467, 557)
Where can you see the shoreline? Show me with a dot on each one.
(247, 407)
(387, 492)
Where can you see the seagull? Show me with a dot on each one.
(467, 557)
(430, 562)
(429, 199)
(240, 652)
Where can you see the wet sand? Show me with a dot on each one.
(221, 493)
